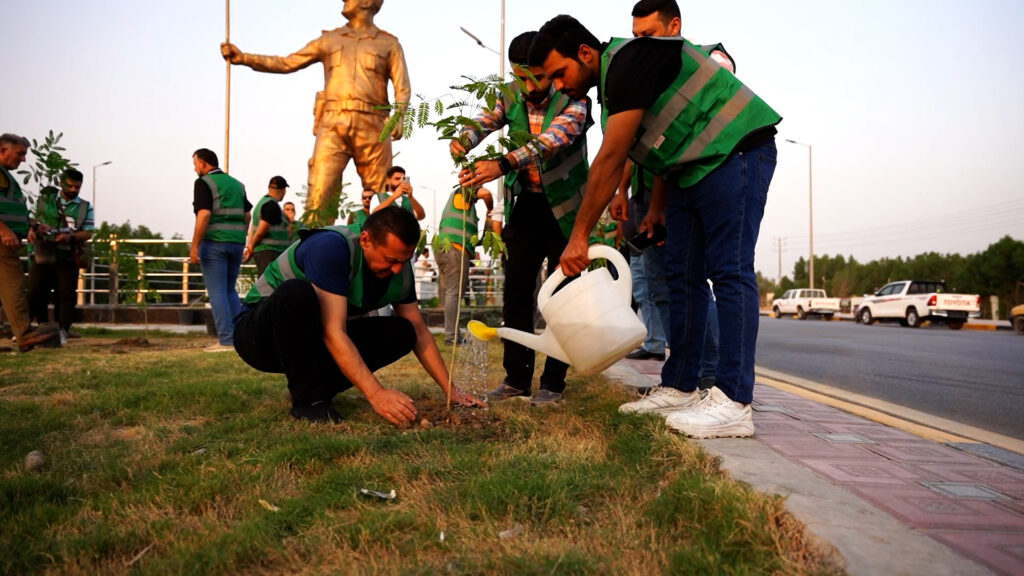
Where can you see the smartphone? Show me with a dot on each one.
(641, 242)
(406, 179)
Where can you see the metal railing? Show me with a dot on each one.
(122, 272)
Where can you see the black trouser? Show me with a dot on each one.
(530, 235)
(263, 258)
(44, 278)
(283, 334)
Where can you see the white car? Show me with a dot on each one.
(911, 302)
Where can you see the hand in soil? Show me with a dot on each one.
(393, 406)
(460, 398)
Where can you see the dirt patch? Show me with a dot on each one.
(432, 413)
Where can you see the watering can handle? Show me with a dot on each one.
(624, 283)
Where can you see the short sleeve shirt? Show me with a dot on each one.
(639, 73)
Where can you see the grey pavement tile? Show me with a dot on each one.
(823, 415)
(998, 455)
(841, 438)
(961, 490)
(926, 509)
(871, 470)
(1000, 551)
(922, 452)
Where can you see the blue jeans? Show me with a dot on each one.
(712, 230)
(709, 360)
(219, 262)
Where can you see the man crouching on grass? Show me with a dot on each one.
(303, 318)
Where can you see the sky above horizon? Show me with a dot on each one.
(910, 107)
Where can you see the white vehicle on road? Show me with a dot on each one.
(911, 302)
(805, 302)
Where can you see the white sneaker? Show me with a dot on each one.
(219, 348)
(661, 400)
(716, 417)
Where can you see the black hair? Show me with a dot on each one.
(208, 156)
(391, 171)
(394, 220)
(668, 9)
(564, 34)
(72, 175)
(519, 48)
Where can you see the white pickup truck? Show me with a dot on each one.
(911, 302)
(805, 302)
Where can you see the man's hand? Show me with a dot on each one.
(193, 253)
(456, 148)
(10, 239)
(618, 208)
(480, 173)
(460, 398)
(246, 253)
(405, 188)
(230, 52)
(574, 258)
(393, 406)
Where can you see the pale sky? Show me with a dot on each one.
(912, 107)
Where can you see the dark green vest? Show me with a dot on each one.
(358, 218)
(47, 213)
(564, 175)
(696, 123)
(285, 268)
(13, 209)
(276, 239)
(459, 226)
(227, 219)
(404, 201)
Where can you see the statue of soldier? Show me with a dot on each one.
(358, 61)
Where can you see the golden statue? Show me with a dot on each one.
(358, 61)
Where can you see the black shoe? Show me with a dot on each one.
(545, 398)
(321, 411)
(37, 337)
(504, 392)
(641, 354)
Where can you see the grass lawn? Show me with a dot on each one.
(168, 460)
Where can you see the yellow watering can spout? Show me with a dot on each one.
(481, 331)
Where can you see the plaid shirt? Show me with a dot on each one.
(563, 131)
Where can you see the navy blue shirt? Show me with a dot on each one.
(324, 258)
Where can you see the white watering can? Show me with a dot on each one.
(590, 324)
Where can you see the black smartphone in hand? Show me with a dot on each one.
(641, 241)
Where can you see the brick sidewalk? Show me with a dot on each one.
(972, 505)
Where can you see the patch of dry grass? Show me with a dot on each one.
(166, 460)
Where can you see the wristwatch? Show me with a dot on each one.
(504, 165)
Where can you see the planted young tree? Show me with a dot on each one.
(48, 163)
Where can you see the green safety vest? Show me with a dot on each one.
(459, 226)
(358, 219)
(403, 201)
(276, 239)
(564, 175)
(13, 209)
(696, 123)
(46, 212)
(285, 268)
(227, 219)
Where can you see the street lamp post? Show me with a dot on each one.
(810, 206)
(94, 182)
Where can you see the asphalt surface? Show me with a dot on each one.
(969, 376)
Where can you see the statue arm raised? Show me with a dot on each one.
(309, 54)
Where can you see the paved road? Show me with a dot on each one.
(972, 377)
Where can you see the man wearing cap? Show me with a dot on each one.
(218, 240)
(268, 234)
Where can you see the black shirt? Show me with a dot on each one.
(640, 72)
(202, 198)
(271, 213)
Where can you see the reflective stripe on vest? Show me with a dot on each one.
(459, 226)
(13, 209)
(285, 268)
(276, 238)
(227, 218)
(696, 123)
(564, 175)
